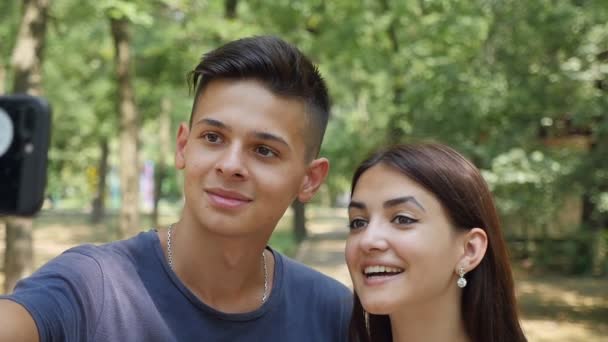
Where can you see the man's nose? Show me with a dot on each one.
(232, 163)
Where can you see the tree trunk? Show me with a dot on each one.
(588, 208)
(2, 78)
(26, 62)
(230, 9)
(18, 256)
(395, 133)
(600, 250)
(27, 55)
(597, 152)
(591, 217)
(299, 220)
(165, 151)
(99, 207)
(129, 123)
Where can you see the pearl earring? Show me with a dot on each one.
(461, 281)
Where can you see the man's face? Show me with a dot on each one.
(243, 158)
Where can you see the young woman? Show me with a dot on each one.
(425, 251)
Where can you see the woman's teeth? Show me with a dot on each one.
(371, 271)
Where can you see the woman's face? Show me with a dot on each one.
(402, 250)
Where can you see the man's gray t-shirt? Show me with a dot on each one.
(125, 291)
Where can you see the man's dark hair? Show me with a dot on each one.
(276, 64)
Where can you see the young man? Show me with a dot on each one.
(250, 149)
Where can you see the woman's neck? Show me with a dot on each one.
(437, 321)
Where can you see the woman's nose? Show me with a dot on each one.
(373, 238)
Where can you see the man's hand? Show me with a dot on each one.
(17, 323)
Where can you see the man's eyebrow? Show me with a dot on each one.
(399, 200)
(355, 204)
(270, 136)
(258, 135)
(213, 122)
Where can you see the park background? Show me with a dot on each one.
(519, 87)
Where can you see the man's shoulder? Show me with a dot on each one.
(301, 275)
(74, 289)
(307, 290)
(116, 249)
(85, 269)
(92, 260)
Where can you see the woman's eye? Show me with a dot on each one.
(402, 219)
(265, 151)
(357, 223)
(212, 138)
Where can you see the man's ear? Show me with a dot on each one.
(180, 145)
(315, 176)
(475, 244)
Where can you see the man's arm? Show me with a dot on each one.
(17, 323)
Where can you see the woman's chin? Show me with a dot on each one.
(378, 306)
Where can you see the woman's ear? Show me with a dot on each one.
(475, 244)
(180, 145)
(315, 175)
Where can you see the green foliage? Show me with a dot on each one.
(569, 256)
(526, 188)
(134, 11)
(483, 76)
(78, 82)
(9, 17)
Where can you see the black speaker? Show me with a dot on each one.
(25, 123)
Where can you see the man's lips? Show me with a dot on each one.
(229, 194)
(226, 198)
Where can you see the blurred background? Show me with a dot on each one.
(519, 87)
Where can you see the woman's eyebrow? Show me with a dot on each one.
(399, 200)
(355, 204)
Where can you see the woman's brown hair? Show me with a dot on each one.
(489, 308)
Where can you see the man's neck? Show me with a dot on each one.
(226, 273)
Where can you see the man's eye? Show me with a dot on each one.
(402, 219)
(265, 151)
(212, 138)
(357, 223)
